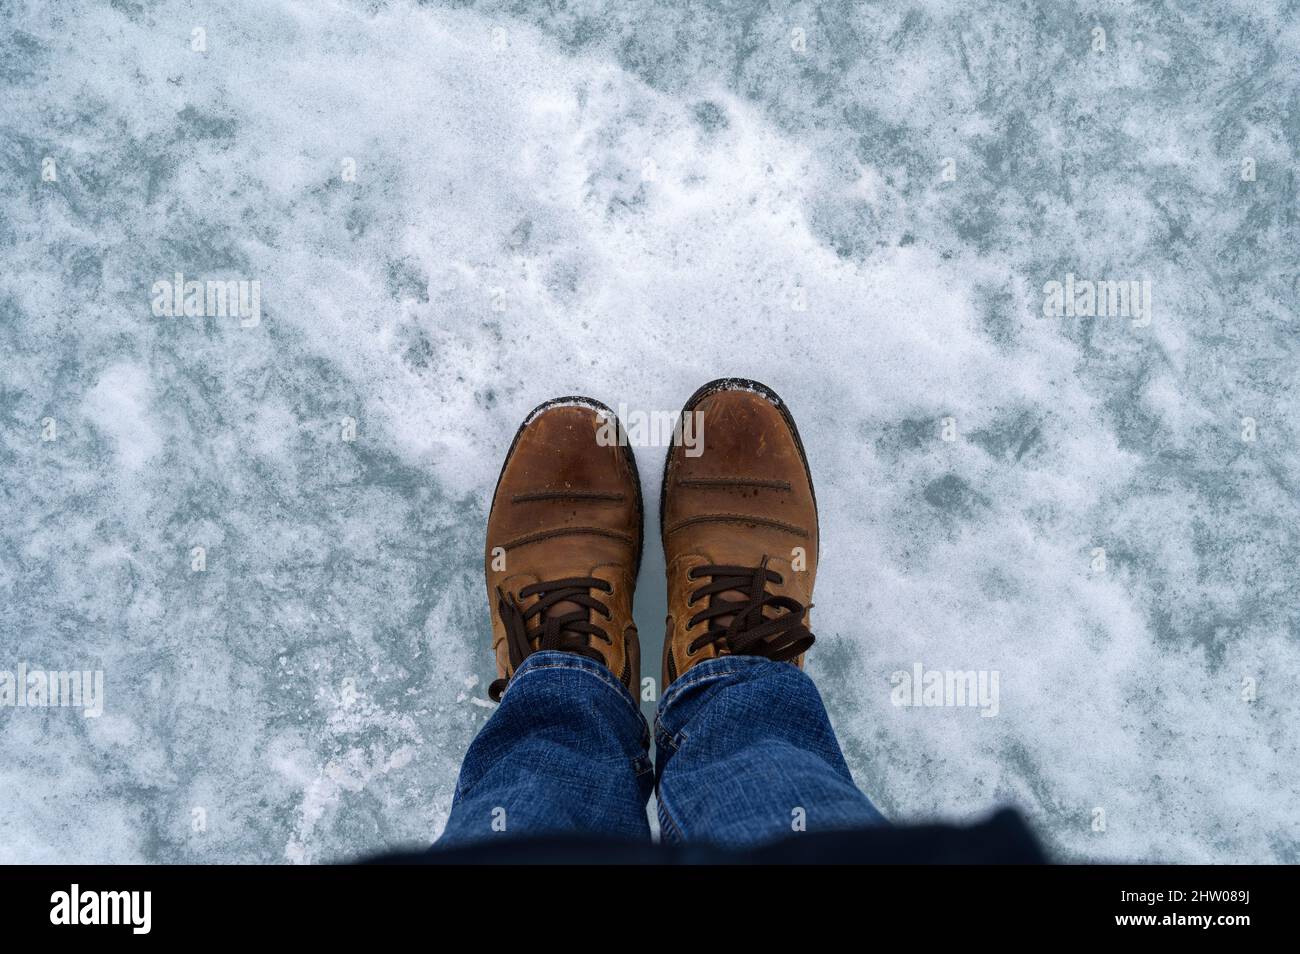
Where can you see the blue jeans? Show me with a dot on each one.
(745, 754)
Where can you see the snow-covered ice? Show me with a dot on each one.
(455, 213)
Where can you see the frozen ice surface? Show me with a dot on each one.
(624, 201)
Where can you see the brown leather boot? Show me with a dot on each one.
(739, 525)
(564, 542)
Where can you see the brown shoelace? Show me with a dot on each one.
(569, 632)
(750, 632)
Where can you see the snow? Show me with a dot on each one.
(624, 202)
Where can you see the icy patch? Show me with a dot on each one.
(454, 217)
(118, 406)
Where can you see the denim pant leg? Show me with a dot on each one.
(746, 754)
(566, 751)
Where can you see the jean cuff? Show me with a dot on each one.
(706, 671)
(601, 675)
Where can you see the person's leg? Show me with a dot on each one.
(746, 755)
(567, 751)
